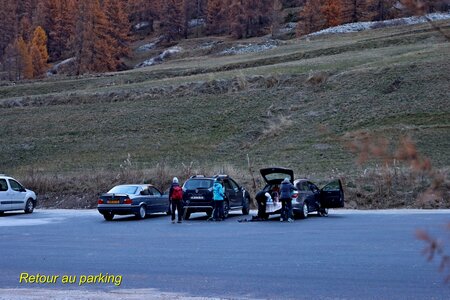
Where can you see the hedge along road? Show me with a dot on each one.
(350, 254)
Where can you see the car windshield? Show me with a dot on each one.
(193, 184)
(123, 189)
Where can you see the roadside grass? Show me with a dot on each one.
(290, 106)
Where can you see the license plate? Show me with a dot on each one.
(113, 201)
(197, 197)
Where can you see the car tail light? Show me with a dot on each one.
(294, 196)
(127, 201)
(100, 201)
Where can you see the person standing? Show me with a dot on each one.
(218, 197)
(286, 200)
(176, 197)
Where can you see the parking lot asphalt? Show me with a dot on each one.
(348, 255)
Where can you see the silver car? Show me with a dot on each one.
(13, 196)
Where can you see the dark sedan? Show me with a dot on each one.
(137, 199)
(307, 197)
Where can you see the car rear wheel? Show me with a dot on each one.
(29, 206)
(246, 206)
(142, 212)
(108, 216)
(323, 212)
(226, 209)
(304, 212)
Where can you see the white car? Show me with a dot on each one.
(13, 196)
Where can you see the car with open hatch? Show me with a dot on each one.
(307, 197)
(198, 195)
(13, 196)
(133, 199)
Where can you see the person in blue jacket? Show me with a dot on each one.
(218, 197)
(286, 190)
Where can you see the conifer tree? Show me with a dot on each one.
(93, 45)
(382, 9)
(38, 52)
(276, 17)
(64, 30)
(24, 62)
(216, 17)
(311, 18)
(332, 10)
(8, 24)
(355, 11)
(237, 19)
(119, 27)
(172, 21)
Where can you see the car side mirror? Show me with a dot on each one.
(23, 190)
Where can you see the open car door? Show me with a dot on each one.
(332, 195)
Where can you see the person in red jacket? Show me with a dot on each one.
(176, 197)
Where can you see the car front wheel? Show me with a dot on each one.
(142, 212)
(304, 212)
(29, 206)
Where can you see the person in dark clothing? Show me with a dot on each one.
(286, 200)
(176, 197)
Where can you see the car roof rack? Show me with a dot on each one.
(197, 176)
(220, 176)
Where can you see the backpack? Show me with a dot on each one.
(177, 193)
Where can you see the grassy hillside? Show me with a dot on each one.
(288, 106)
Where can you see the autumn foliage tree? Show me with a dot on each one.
(93, 46)
(311, 18)
(119, 27)
(24, 60)
(216, 16)
(332, 11)
(97, 34)
(38, 52)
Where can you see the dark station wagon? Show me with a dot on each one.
(307, 197)
(133, 199)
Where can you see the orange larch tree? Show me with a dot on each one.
(216, 17)
(311, 18)
(237, 18)
(38, 52)
(119, 28)
(332, 10)
(93, 45)
(24, 62)
(64, 30)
